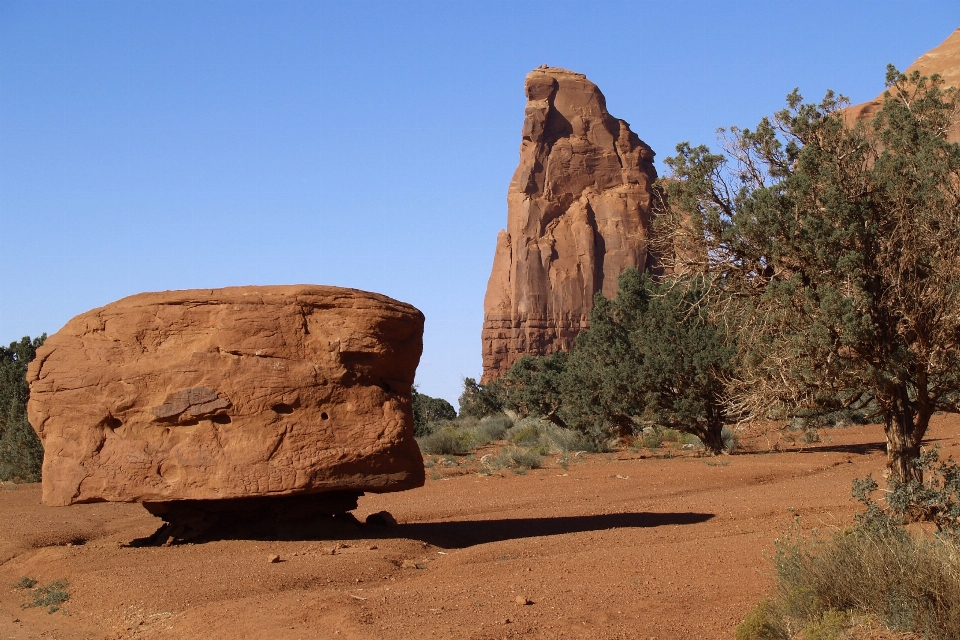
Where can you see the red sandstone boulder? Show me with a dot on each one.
(220, 394)
(578, 214)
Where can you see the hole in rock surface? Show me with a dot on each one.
(221, 419)
(324, 415)
(282, 408)
(113, 423)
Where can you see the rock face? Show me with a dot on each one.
(233, 393)
(578, 214)
(943, 59)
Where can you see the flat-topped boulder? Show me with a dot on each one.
(228, 394)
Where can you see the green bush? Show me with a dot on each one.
(427, 410)
(21, 454)
(568, 440)
(730, 440)
(689, 438)
(51, 596)
(910, 582)
(524, 434)
(651, 441)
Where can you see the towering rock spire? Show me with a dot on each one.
(578, 214)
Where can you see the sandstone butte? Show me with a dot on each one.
(235, 393)
(943, 59)
(578, 214)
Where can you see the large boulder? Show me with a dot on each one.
(578, 214)
(227, 394)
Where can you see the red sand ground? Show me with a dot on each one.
(629, 545)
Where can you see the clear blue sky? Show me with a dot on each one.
(170, 145)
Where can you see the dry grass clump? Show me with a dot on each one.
(463, 435)
(533, 435)
(907, 580)
(516, 458)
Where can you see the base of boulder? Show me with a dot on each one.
(311, 516)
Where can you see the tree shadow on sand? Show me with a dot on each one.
(458, 534)
(860, 449)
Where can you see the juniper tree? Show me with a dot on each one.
(479, 400)
(836, 245)
(652, 356)
(534, 386)
(427, 409)
(21, 454)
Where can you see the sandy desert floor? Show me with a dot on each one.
(625, 545)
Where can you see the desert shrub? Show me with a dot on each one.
(21, 453)
(51, 596)
(447, 440)
(460, 436)
(651, 440)
(670, 435)
(765, 622)
(689, 438)
(25, 582)
(567, 440)
(524, 434)
(491, 428)
(908, 581)
(730, 439)
(516, 458)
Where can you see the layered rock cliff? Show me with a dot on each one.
(578, 214)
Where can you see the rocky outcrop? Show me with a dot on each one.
(943, 59)
(578, 214)
(229, 395)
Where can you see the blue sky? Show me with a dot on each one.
(170, 145)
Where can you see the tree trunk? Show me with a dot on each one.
(904, 428)
(557, 420)
(712, 438)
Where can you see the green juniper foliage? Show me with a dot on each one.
(427, 409)
(21, 454)
(533, 386)
(479, 400)
(652, 356)
(836, 249)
